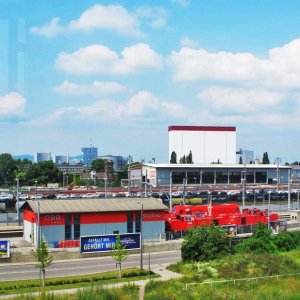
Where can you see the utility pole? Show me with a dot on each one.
(289, 190)
(18, 203)
(129, 181)
(171, 183)
(277, 173)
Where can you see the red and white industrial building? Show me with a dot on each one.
(67, 220)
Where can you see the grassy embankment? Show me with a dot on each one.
(233, 267)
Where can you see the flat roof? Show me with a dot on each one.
(51, 206)
(215, 166)
(201, 128)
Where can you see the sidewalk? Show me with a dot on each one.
(159, 269)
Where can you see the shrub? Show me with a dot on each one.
(205, 243)
(284, 242)
(260, 242)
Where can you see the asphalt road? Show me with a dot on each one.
(83, 266)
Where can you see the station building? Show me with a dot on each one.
(67, 220)
(199, 175)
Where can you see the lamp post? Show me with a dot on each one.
(105, 187)
(170, 198)
(142, 210)
(38, 217)
(18, 203)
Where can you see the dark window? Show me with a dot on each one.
(76, 227)
(130, 222)
(216, 222)
(208, 177)
(68, 228)
(138, 221)
(222, 177)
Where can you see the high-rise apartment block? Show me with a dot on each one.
(89, 154)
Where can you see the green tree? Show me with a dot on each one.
(44, 259)
(7, 169)
(265, 159)
(182, 160)
(119, 254)
(44, 172)
(173, 159)
(98, 165)
(260, 242)
(205, 243)
(189, 158)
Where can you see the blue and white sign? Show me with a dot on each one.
(4, 249)
(102, 243)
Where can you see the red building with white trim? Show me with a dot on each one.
(66, 220)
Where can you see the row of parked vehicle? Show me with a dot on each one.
(231, 196)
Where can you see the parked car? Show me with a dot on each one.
(24, 197)
(62, 196)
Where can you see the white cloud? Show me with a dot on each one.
(98, 59)
(50, 29)
(188, 42)
(95, 88)
(141, 106)
(113, 17)
(156, 16)
(280, 68)
(12, 105)
(238, 100)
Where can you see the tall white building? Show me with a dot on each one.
(208, 144)
(39, 156)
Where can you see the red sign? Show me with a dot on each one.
(52, 219)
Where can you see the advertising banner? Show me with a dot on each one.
(103, 243)
(4, 249)
(231, 230)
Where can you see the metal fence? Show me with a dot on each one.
(10, 219)
(234, 281)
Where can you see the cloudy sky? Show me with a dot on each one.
(116, 74)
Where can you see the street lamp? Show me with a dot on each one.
(38, 216)
(18, 203)
(141, 232)
(105, 187)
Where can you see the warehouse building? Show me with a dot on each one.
(68, 220)
(199, 175)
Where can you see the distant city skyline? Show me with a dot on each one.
(118, 73)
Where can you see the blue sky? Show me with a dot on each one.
(116, 74)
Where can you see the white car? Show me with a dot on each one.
(62, 196)
(36, 196)
(89, 195)
(24, 197)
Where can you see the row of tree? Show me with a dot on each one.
(185, 159)
(45, 172)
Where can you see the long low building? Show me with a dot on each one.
(209, 174)
(66, 220)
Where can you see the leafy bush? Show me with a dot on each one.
(285, 242)
(205, 243)
(260, 242)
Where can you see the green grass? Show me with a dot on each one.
(127, 292)
(29, 286)
(232, 267)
